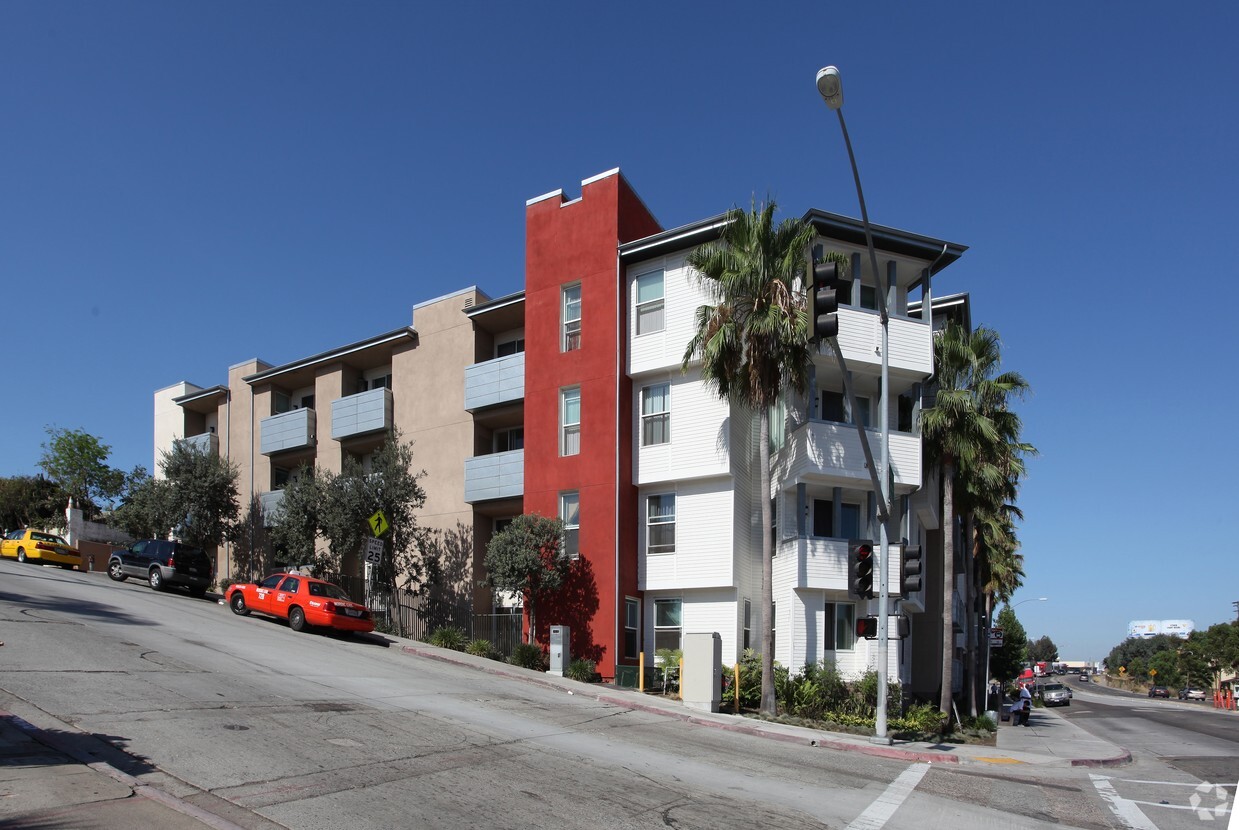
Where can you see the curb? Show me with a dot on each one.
(1116, 761)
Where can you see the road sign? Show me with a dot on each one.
(378, 523)
(374, 551)
(1152, 672)
(995, 637)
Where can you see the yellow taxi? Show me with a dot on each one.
(28, 545)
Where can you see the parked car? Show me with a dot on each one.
(40, 547)
(164, 564)
(1159, 691)
(1055, 694)
(302, 600)
(1190, 693)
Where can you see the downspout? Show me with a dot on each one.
(621, 306)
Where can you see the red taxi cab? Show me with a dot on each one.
(304, 601)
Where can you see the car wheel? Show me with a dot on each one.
(114, 571)
(155, 578)
(21, 556)
(296, 619)
(237, 604)
(67, 567)
(197, 593)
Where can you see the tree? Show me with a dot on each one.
(972, 439)
(201, 494)
(1042, 650)
(145, 510)
(1006, 662)
(527, 558)
(76, 461)
(293, 526)
(753, 346)
(31, 501)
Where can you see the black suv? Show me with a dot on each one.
(164, 564)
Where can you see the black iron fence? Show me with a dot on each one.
(418, 617)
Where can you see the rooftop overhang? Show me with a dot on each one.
(205, 401)
(365, 354)
(938, 253)
(499, 315)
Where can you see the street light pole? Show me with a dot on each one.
(830, 87)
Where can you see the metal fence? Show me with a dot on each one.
(418, 617)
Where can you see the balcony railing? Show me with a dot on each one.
(495, 382)
(207, 443)
(500, 475)
(829, 451)
(291, 430)
(270, 505)
(362, 413)
(860, 338)
(816, 562)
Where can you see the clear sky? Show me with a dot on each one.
(180, 181)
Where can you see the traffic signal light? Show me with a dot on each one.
(867, 628)
(826, 279)
(860, 568)
(910, 577)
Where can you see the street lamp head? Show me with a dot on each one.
(830, 87)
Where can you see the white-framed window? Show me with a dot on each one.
(632, 627)
(571, 314)
(655, 414)
(510, 439)
(660, 523)
(510, 347)
(667, 623)
(570, 513)
(650, 317)
(570, 421)
(840, 626)
(280, 402)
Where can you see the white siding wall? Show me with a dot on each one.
(702, 611)
(681, 298)
(703, 546)
(699, 432)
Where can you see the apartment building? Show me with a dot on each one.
(568, 399)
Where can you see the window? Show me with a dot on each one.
(570, 419)
(869, 297)
(840, 626)
(832, 407)
(650, 302)
(849, 521)
(656, 414)
(507, 440)
(632, 626)
(862, 405)
(271, 581)
(510, 347)
(907, 405)
(660, 524)
(748, 625)
(383, 382)
(667, 621)
(570, 513)
(572, 317)
(501, 525)
(280, 402)
(824, 520)
(307, 401)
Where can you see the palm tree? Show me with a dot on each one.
(973, 439)
(753, 344)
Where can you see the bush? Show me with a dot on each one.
(225, 584)
(582, 670)
(528, 656)
(750, 679)
(449, 637)
(481, 648)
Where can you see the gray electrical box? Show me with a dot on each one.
(701, 685)
(561, 649)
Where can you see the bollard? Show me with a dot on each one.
(641, 672)
(736, 670)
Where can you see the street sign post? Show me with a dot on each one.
(378, 523)
(374, 551)
(995, 637)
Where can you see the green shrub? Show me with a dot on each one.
(449, 637)
(750, 679)
(528, 656)
(480, 648)
(582, 670)
(920, 719)
(225, 584)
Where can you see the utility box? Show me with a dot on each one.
(561, 649)
(701, 686)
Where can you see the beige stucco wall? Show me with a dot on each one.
(169, 421)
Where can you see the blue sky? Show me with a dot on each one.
(171, 174)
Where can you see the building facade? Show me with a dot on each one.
(568, 399)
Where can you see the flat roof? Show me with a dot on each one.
(406, 333)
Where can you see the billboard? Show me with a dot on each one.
(1144, 629)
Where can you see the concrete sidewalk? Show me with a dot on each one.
(1049, 740)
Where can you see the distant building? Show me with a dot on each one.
(1145, 629)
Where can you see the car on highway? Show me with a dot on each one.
(164, 564)
(1055, 694)
(39, 547)
(1083, 677)
(1159, 691)
(305, 601)
(1191, 693)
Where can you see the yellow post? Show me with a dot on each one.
(641, 672)
(736, 684)
(680, 694)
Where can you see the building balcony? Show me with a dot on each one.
(292, 430)
(269, 503)
(500, 475)
(860, 338)
(816, 562)
(206, 443)
(360, 414)
(831, 453)
(495, 382)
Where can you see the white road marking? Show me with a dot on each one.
(884, 806)
(1125, 811)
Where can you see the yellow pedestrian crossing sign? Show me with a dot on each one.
(378, 523)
